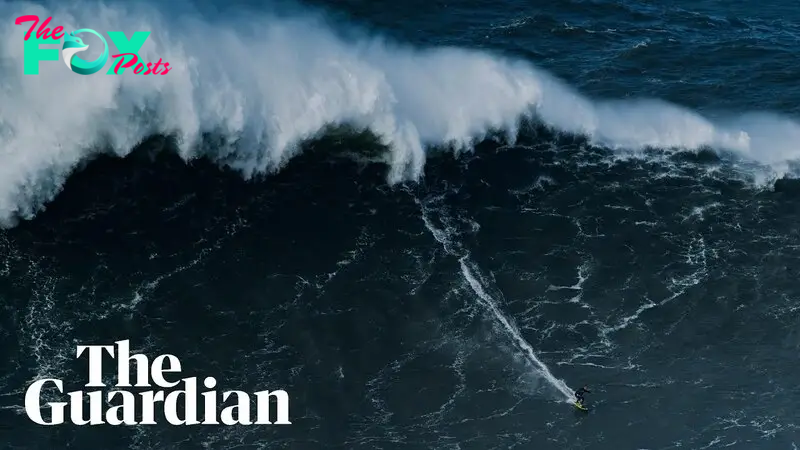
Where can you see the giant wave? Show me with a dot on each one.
(267, 83)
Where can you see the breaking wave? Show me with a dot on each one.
(265, 83)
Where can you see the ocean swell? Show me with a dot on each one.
(269, 83)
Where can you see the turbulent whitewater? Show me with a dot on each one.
(427, 221)
(267, 83)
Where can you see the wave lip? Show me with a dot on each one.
(270, 83)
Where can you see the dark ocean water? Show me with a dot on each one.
(441, 312)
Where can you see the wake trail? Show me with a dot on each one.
(472, 275)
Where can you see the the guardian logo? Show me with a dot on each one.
(176, 401)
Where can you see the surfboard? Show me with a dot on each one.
(581, 407)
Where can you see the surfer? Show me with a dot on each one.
(579, 394)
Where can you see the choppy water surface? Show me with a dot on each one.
(429, 222)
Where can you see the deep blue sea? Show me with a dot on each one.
(429, 222)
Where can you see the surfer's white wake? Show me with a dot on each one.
(472, 276)
(271, 83)
(469, 271)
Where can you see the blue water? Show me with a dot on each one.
(428, 222)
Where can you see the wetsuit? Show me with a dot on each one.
(579, 394)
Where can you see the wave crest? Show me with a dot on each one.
(271, 83)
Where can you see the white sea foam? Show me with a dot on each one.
(272, 83)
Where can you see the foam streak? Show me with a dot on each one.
(471, 274)
(490, 305)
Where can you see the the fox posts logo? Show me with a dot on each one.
(73, 44)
